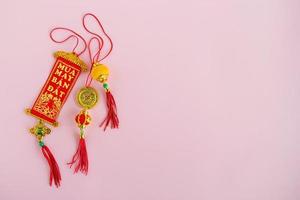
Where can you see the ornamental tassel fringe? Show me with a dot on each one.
(100, 72)
(54, 169)
(80, 158)
(111, 117)
(40, 130)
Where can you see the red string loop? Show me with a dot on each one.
(100, 44)
(72, 35)
(97, 35)
(97, 57)
(93, 58)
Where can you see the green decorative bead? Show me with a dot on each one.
(39, 131)
(41, 143)
(105, 85)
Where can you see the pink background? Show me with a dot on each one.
(208, 97)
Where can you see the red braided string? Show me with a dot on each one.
(97, 35)
(93, 59)
(72, 35)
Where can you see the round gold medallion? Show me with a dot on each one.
(87, 97)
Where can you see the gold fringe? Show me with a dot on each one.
(72, 58)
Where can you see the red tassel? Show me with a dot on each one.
(54, 169)
(81, 158)
(111, 116)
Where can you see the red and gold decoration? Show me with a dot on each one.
(40, 131)
(58, 86)
(52, 97)
(87, 97)
(100, 73)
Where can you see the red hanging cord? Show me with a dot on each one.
(72, 35)
(95, 58)
(97, 35)
(100, 46)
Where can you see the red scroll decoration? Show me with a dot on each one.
(58, 86)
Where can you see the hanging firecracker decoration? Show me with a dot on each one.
(53, 95)
(87, 97)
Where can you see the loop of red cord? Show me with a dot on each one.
(97, 35)
(93, 59)
(100, 44)
(73, 35)
(97, 57)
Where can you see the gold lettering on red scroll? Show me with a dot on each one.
(56, 90)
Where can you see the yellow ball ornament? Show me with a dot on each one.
(100, 72)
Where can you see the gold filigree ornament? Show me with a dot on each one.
(40, 130)
(72, 57)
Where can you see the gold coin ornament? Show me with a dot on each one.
(87, 97)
